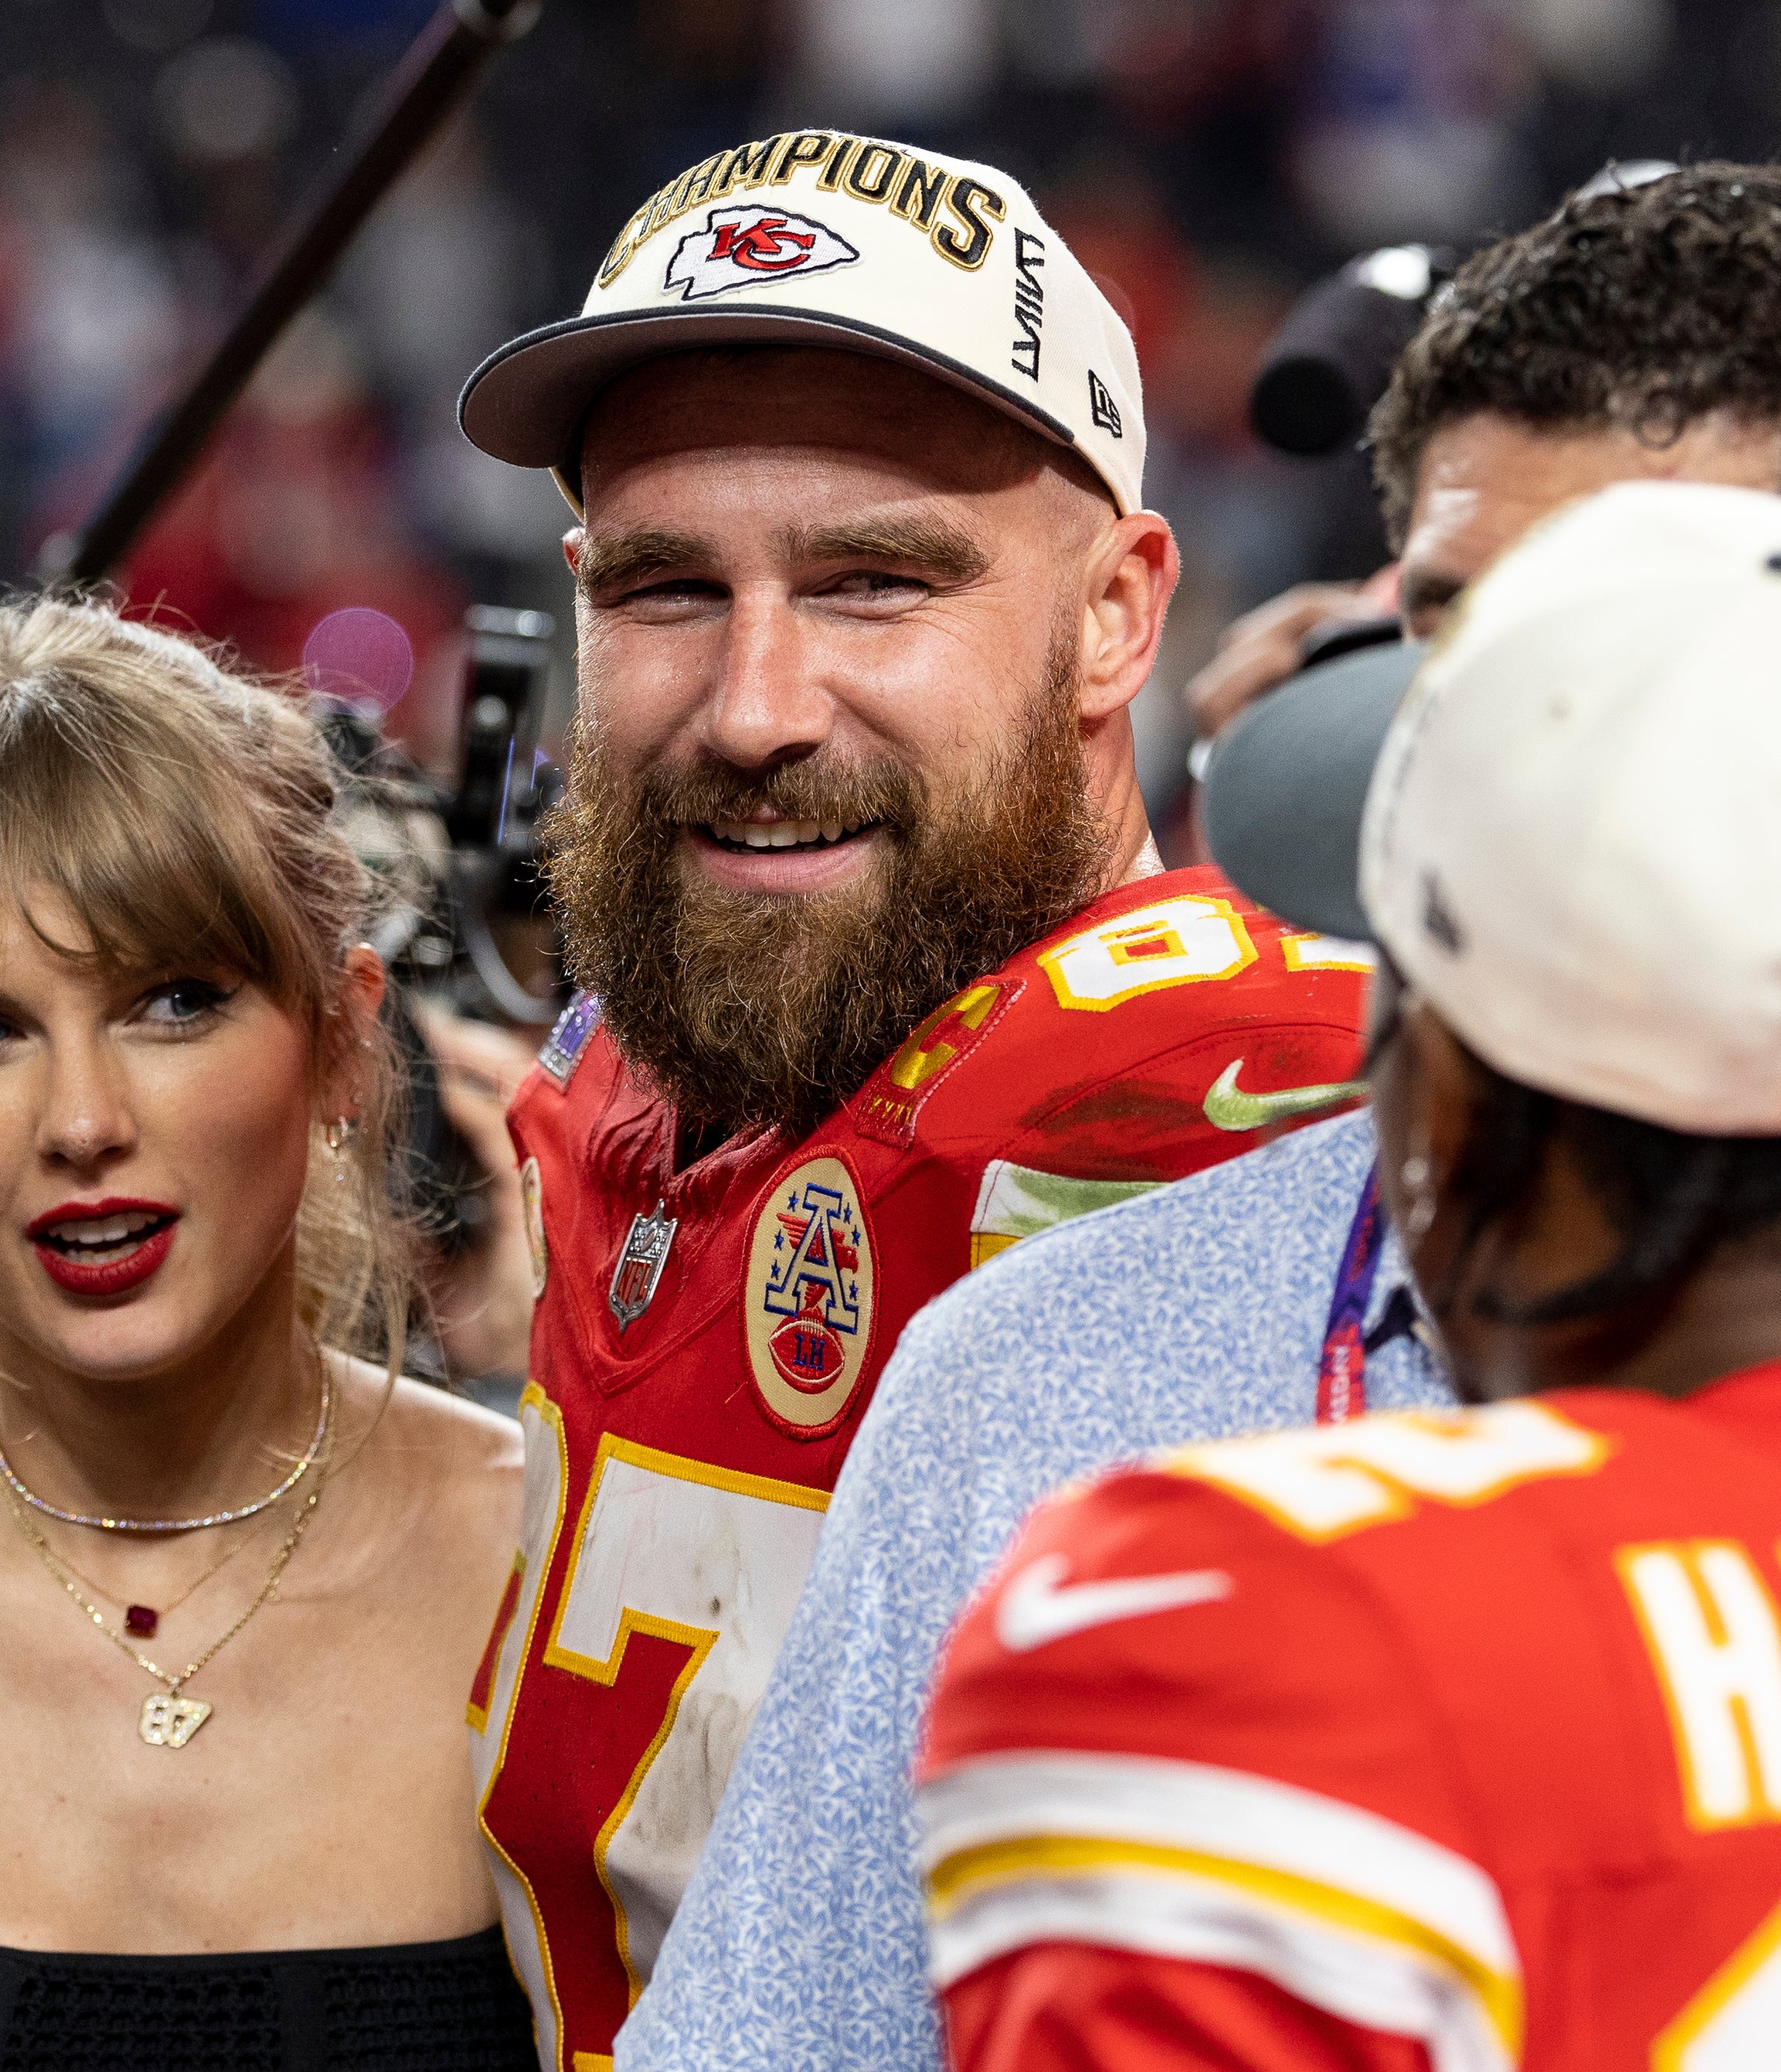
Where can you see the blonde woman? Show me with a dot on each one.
(245, 1571)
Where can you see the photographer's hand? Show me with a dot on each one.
(1264, 646)
(482, 1300)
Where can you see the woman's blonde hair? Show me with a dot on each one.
(186, 814)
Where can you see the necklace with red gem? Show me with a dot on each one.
(144, 1620)
(168, 1718)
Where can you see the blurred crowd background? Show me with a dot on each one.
(1207, 158)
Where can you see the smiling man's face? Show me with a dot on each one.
(835, 755)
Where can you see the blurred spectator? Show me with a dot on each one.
(922, 61)
(291, 519)
(448, 223)
(92, 318)
(1406, 130)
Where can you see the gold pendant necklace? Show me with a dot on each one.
(142, 1620)
(168, 1719)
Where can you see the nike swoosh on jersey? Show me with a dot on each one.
(1034, 1609)
(1228, 1107)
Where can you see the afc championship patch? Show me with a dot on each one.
(808, 1295)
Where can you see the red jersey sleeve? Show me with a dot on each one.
(1183, 1807)
(1210, 1068)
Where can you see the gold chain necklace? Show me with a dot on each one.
(142, 1620)
(168, 1719)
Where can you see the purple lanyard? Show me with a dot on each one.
(1342, 1377)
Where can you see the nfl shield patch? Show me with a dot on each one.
(636, 1277)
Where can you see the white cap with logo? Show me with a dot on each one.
(1572, 843)
(816, 237)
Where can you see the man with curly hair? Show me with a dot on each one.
(1630, 336)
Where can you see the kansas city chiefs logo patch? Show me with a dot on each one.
(742, 246)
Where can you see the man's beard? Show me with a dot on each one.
(743, 1008)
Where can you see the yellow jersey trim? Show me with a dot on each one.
(552, 1417)
(957, 1878)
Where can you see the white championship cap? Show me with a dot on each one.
(1572, 844)
(816, 237)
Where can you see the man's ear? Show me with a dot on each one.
(572, 548)
(1131, 575)
(362, 984)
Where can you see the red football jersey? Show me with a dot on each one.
(1433, 1740)
(707, 1340)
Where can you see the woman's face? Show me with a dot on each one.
(154, 1135)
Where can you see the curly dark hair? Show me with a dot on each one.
(1647, 308)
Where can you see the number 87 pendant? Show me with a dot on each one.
(169, 1721)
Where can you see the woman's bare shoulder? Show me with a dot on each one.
(487, 1441)
(467, 1463)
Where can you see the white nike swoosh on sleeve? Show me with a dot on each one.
(1034, 1609)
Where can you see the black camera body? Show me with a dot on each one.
(461, 920)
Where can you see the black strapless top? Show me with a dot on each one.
(410, 2007)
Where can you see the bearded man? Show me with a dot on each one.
(1626, 338)
(881, 971)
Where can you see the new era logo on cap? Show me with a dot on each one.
(740, 245)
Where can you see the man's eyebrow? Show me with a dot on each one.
(930, 544)
(1427, 589)
(614, 561)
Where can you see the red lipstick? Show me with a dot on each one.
(112, 1269)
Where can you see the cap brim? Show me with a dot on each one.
(1283, 794)
(526, 402)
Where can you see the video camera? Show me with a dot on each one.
(1331, 361)
(462, 922)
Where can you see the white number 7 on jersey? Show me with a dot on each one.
(718, 1558)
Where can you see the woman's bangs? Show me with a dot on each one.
(150, 876)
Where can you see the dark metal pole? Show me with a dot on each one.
(433, 79)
